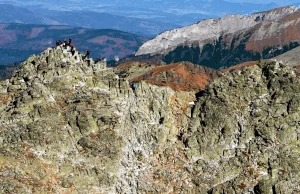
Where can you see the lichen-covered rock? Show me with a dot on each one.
(73, 126)
(69, 125)
(246, 117)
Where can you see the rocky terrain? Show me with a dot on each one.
(75, 126)
(230, 40)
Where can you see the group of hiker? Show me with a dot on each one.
(71, 48)
(65, 43)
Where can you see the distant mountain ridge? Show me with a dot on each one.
(19, 41)
(85, 19)
(180, 12)
(230, 40)
(13, 14)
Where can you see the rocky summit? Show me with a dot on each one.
(75, 126)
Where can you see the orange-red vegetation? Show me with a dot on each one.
(5, 98)
(243, 186)
(178, 76)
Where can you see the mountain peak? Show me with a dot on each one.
(72, 125)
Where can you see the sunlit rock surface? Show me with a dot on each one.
(69, 125)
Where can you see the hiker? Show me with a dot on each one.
(58, 43)
(87, 55)
(70, 40)
(98, 60)
(72, 50)
(257, 19)
(65, 44)
(133, 86)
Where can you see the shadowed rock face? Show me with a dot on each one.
(68, 125)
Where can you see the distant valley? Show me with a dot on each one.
(86, 19)
(177, 12)
(19, 41)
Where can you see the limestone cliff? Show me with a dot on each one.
(74, 126)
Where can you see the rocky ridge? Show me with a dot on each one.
(230, 40)
(211, 29)
(74, 126)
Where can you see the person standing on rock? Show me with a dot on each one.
(65, 44)
(70, 41)
(98, 60)
(133, 86)
(72, 50)
(87, 55)
(58, 43)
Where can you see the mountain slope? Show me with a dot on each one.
(73, 126)
(292, 57)
(18, 41)
(178, 76)
(230, 40)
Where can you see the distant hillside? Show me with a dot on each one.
(7, 70)
(292, 58)
(19, 41)
(85, 19)
(95, 20)
(13, 14)
(181, 12)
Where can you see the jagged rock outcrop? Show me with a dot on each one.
(74, 126)
(71, 126)
(230, 40)
(245, 130)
